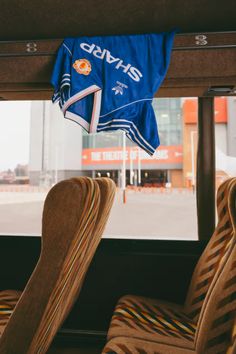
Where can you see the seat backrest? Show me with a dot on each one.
(215, 325)
(232, 347)
(73, 220)
(107, 193)
(209, 261)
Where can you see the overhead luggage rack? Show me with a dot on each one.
(199, 61)
(183, 41)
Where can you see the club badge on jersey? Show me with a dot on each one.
(107, 83)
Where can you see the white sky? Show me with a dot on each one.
(14, 133)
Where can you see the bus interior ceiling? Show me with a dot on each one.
(30, 36)
(203, 65)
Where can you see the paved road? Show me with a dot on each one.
(154, 215)
(145, 215)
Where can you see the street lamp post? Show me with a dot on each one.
(139, 166)
(193, 132)
(131, 174)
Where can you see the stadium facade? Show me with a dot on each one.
(60, 148)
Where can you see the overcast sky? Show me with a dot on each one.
(14, 133)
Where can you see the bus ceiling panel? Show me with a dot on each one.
(37, 94)
(26, 95)
(210, 65)
(40, 92)
(203, 64)
(42, 19)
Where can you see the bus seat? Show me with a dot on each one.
(232, 346)
(8, 301)
(74, 217)
(130, 345)
(218, 313)
(158, 323)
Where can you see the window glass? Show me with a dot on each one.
(41, 148)
(225, 138)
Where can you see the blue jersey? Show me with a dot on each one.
(108, 83)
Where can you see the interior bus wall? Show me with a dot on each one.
(159, 269)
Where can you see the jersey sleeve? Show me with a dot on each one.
(61, 75)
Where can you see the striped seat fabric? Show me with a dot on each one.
(8, 301)
(213, 335)
(185, 327)
(74, 217)
(218, 314)
(153, 318)
(129, 345)
(232, 346)
(210, 260)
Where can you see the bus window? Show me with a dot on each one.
(41, 148)
(225, 138)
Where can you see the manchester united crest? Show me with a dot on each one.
(82, 66)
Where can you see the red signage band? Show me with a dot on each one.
(107, 156)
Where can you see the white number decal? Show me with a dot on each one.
(31, 47)
(201, 39)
